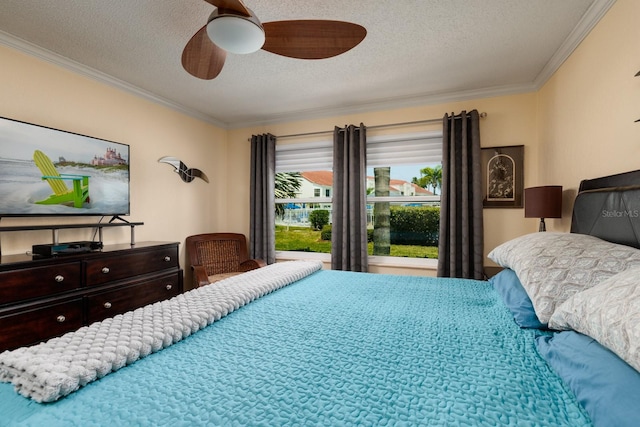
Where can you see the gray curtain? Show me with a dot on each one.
(460, 250)
(262, 240)
(349, 216)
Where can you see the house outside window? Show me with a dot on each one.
(310, 164)
(404, 207)
(402, 204)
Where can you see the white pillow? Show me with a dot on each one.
(608, 313)
(552, 267)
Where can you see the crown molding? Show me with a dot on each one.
(589, 20)
(378, 105)
(391, 104)
(83, 70)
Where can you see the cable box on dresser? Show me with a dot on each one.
(44, 297)
(54, 249)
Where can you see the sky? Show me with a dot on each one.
(404, 172)
(19, 140)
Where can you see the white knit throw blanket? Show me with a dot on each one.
(48, 371)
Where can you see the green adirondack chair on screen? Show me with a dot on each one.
(62, 195)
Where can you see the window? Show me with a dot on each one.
(404, 175)
(403, 187)
(302, 171)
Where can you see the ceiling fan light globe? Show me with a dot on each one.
(236, 34)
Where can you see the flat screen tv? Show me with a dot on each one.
(50, 172)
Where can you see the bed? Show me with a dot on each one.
(292, 344)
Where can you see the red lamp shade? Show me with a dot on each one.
(543, 202)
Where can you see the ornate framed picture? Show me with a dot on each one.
(502, 176)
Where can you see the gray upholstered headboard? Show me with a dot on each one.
(609, 208)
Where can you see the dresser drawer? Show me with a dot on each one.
(28, 283)
(39, 324)
(123, 299)
(41, 298)
(108, 269)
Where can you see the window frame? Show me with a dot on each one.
(373, 260)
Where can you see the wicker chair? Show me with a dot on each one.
(216, 256)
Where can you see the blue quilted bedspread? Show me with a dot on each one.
(333, 349)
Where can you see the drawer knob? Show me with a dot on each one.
(167, 258)
(59, 278)
(107, 304)
(105, 270)
(61, 319)
(169, 287)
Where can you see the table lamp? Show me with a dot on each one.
(543, 202)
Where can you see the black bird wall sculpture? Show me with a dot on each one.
(187, 174)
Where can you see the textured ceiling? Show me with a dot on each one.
(415, 52)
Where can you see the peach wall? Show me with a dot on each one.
(511, 121)
(587, 109)
(36, 91)
(579, 125)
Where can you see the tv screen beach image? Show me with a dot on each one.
(45, 171)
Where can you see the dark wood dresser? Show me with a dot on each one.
(41, 298)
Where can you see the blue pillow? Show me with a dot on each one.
(606, 386)
(508, 286)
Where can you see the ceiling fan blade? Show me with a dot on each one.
(311, 39)
(230, 5)
(201, 57)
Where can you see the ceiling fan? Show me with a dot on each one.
(233, 27)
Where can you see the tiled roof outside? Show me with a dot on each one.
(319, 177)
(325, 178)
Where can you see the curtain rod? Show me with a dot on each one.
(417, 122)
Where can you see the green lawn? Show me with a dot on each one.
(308, 240)
(300, 239)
